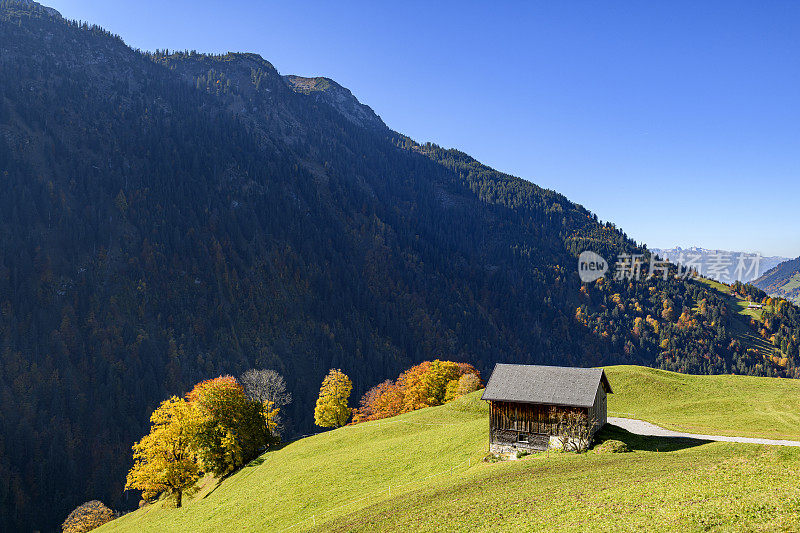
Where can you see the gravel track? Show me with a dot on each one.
(640, 427)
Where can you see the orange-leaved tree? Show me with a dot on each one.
(331, 409)
(381, 401)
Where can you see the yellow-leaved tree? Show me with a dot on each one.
(163, 460)
(331, 409)
(86, 517)
(426, 384)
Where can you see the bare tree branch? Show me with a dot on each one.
(267, 386)
(575, 431)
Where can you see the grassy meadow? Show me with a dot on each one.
(422, 471)
(662, 485)
(740, 406)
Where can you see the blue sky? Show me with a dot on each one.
(678, 121)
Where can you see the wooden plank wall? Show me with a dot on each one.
(599, 411)
(527, 418)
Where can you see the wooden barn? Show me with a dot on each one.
(528, 403)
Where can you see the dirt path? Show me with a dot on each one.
(640, 427)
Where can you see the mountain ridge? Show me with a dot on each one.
(157, 230)
(705, 257)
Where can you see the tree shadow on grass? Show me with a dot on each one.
(274, 448)
(646, 443)
(258, 461)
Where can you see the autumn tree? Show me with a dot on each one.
(468, 383)
(231, 428)
(668, 313)
(366, 406)
(381, 401)
(269, 388)
(426, 384)
(86, 517)
(451, 393)
(389, 402)
(164, 459)
(638, 326)
(331, 409)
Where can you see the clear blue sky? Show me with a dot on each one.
(678, 121)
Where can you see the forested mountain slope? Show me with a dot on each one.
(170, 217)
(782, 281)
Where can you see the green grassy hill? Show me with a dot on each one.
(423, 471)
(742, 406)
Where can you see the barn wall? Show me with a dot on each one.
(602, 406)
(599, 411)
(526, 418)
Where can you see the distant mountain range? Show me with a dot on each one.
(722, 265)
(782, 280)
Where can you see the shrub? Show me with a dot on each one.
(522, 453)
(612, 446)
(87, 516)
(575, 431)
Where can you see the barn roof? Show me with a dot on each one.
(552, 385)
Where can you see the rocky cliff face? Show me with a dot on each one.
(328, 91)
